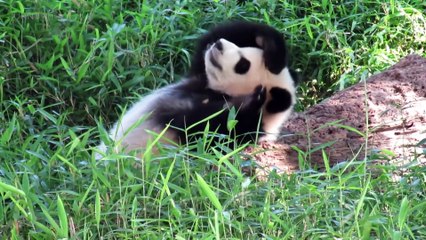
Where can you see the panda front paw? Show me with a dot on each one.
(281, 100)
(252, 102)
(268, 137)
(258, 97)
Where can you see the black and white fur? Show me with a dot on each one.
(180, 107)
(280, 81)
(190, 101)
(223, 74)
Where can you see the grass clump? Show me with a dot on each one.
(67, 66)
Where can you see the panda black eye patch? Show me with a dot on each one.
(242, 66)
(215, 63)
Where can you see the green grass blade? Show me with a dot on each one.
(206, 119)
(326, 163)
(67, 68)
(9, 188)
(403, 213)
(49, 218)
(7, 134)
(45, 229)
(63, 220)
(206, 191)
(85, 195)
(165, 180)
(352, 129)
(97, 209)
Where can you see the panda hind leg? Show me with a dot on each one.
(278, 110)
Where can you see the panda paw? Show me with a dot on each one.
(280, 100)
(258, 97)
(268, 137)
(252, 102)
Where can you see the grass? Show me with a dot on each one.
(66, 67)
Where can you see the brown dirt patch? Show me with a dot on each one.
(390, 105)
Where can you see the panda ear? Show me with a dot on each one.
(269, 45)
(259, 41)
(265, 43)
(274, 52)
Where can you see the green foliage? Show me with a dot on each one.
(66, 67)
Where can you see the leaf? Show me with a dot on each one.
(205, 119)
(97, 208)
(208, 192)
(117, 28)
(322, 146)
(47, 65)
(7, 134)
(67, 68)
(21, 8)
(403, 212)
(326, 162)
(63, 220)
(422, 142)
(82, 71)
(351, 129)
(246, 182)
(308, 28)
(49, 217)
(9, 188)
(165, 187)
(45, 229)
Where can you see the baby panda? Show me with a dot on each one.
(279, 81)
(227, 70)
(190, 101)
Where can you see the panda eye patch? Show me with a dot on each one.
(242, 66)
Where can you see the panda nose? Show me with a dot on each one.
(218, 44)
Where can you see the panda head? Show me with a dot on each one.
(231, 69)
(234, 70)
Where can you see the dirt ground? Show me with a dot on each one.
(383, 117)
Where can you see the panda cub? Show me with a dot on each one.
(275, 75)
(190, 101)
(226, 71)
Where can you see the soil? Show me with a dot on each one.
(382, 118)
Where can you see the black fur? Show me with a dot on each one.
(248, 111)
(280, 100)
(242, 66)
(244, 34)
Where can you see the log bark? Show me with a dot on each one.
(383, 117)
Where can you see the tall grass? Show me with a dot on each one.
(66, 68)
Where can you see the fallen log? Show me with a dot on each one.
(382, 117)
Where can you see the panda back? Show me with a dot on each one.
(132, 130)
